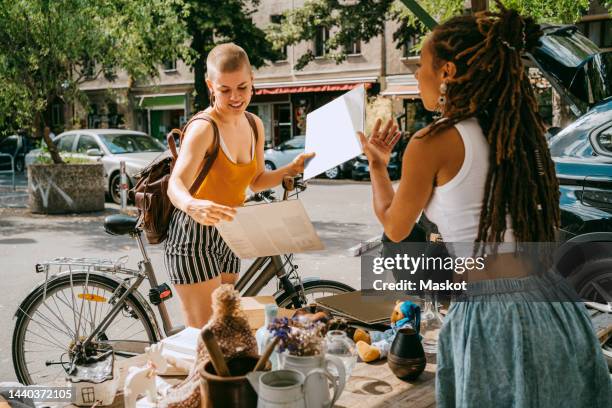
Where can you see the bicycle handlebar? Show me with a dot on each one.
(290, 183)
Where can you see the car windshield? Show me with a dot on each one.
(295, 143)
(130, 143)
(568, 48)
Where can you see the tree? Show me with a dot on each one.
(49, 47)
(216, 21)
(365, 19)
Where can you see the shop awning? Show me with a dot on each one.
(162, 102)
(402, 91)
(309, 88)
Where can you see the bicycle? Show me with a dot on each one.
(87, 305)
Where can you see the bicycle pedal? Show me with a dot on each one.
(160, 294)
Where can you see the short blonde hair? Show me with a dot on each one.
(227, 57)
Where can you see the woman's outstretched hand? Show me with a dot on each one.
(208, 212)
(297, 165)
(379, 145)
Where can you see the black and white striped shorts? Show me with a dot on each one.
(196, 253)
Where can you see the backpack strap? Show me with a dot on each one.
(251, 118)
(210, 155)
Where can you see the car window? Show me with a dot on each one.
(295, 143)
(8, 145)
(130, 143)
(85, 143)
(66, 143)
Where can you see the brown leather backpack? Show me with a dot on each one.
(150, 194)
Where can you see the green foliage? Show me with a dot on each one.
(550, 11)
(45, 157)
(366, 19)
(49, 47)
(212, 22)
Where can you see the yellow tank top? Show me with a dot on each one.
(226, 182)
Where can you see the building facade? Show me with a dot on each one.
(284, 95)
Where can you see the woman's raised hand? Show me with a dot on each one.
(208, 212)
(297, 165)
(379, 145)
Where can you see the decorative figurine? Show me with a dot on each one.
(141, 380)
(233, 334)
(374, 345)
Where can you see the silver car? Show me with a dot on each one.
(284, 153)
(110, 147)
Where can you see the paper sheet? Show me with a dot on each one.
(331, 132)
(270, 229)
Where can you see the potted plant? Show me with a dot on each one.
(75, 185)
(302, 348)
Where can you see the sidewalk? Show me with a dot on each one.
(17, 198)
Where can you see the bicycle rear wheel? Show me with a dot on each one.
(47, 328)
(313, 290)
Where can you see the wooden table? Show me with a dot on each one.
(370, 385)
(374, 385)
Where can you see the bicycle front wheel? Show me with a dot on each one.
(313, 290)
(48, 327)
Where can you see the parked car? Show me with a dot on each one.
(110, 147)
(361, 169)
(17, 146)
(285, 152)
(582, 153)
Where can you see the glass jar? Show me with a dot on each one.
(338, 344)
(431, 323)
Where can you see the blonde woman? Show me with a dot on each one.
(196, 257)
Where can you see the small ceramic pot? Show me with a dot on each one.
(406, 357)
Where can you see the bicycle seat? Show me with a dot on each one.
(120, 224)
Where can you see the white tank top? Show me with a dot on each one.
(455, 206)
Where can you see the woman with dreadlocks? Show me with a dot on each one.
(483, 173)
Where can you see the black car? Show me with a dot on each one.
(582, 152)
(17, 146)
(361, 169)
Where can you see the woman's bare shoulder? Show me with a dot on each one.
(198, 135)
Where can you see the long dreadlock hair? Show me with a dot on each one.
(492, 85)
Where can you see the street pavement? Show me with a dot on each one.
(340, 211)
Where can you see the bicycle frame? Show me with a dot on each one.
(270, 267)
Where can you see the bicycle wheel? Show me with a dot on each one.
(313, 290)
(47, 329)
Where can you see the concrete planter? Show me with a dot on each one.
(65, 188)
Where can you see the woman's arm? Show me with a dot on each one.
(196, 142)
(267, 179)
(399, 210)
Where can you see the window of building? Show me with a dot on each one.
(278, 19)
(353, 47)
(57, 114)
(89, 69)
(408, 50)
(321, 36)
(170, 66)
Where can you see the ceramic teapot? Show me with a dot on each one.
(287, 388)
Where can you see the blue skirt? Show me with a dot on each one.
(505, 347)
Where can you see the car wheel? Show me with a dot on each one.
(269, 166)
(593, 280)
(333, 173)
(114, 188)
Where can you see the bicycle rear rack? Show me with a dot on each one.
(87, 265)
